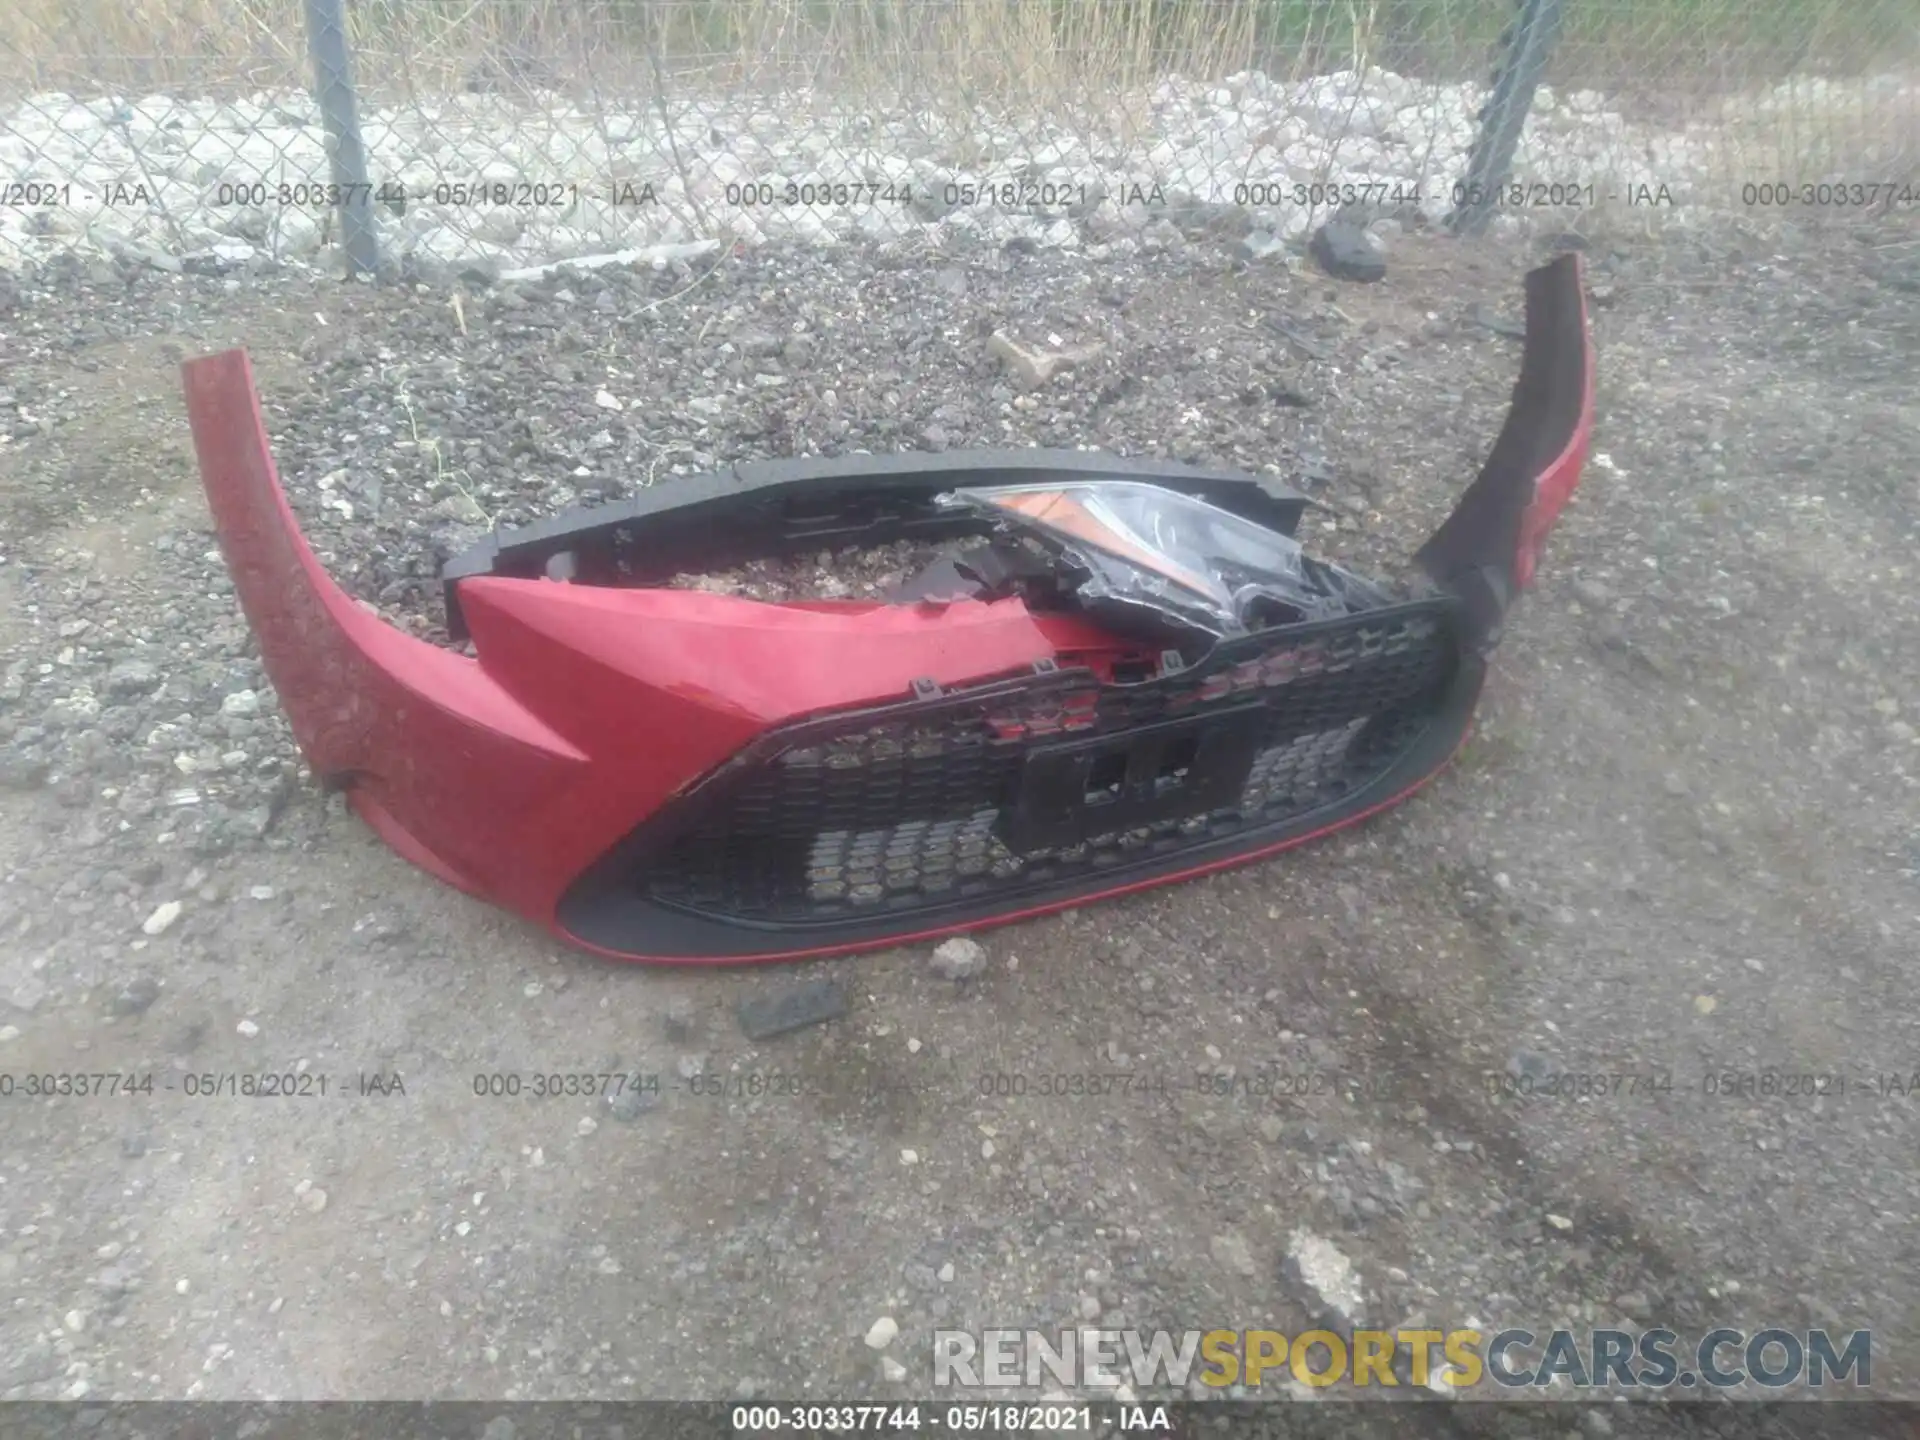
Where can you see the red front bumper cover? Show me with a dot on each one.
(674, 776)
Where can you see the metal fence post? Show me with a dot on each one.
(1525, 47)
(333, 88)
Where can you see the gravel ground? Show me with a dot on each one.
(1682, 841)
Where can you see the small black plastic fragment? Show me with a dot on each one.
(983, 572)
(811, 1004)
(1002, 568)
(939, 583)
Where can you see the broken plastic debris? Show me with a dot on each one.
(1185, 560)
(986, 571)
(764, 1017)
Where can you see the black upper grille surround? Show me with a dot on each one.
(990, 795)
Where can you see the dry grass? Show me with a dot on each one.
(1087, 65)
(1026, 54)
(93, 46)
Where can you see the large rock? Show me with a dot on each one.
(1349, 252)
(1324, 1279)
(960, 958)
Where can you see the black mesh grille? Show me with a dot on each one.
(912, 812)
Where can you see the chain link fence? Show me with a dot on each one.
(454, 136)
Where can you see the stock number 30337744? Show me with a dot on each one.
(898, 1419)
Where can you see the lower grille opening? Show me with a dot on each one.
(886, 869)
(927, 811)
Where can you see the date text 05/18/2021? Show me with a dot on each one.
(916, 1419)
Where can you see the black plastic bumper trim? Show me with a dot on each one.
(607, 913)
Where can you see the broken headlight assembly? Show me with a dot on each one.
(1119, 673)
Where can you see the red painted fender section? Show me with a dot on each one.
(592, 708)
